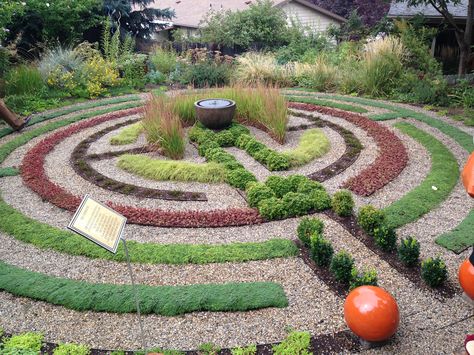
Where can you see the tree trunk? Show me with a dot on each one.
(9, 117)
(467, 39)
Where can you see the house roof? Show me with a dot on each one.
(189, 13)
(401, 9)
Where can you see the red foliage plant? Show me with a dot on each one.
(393, 157)
(35, 177)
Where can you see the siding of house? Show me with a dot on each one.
(308, 17)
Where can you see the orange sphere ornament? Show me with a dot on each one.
(466, 276)
(371, 313)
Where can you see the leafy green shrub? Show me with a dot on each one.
(133, 70)
(296, 204)
(237, 130)
(277, 162)
(24, 80)
(207, 145)
(249, 350)
(279, 185)
(386, 238)
(308, 186)
(225, 138)
(342, 203)
(71, 349)
(209, 349)
(369, 218)
(262, 155)
(434, 271)
(240, 178)
(257, 192)
(368, 277)
(156, 77)
(321, 250)
(253, 146)
(296, 343)
(296, 180)
(206, 74)
(25, 341)
(320, 200)
(307, 227)
(242, 141)
(163, 60)
(409, 251)
(341, 267)
(272, 208)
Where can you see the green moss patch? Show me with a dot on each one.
(163, 300)
(443, 176)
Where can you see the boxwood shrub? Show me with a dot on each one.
(321, 250)
(225, 139)
(296, 204)
(240, 178)
(409, 251)
(320, 200)
(257, 192)
(341, 267)
(434, 271)
(308, 186)
(272, 208)
(296, 180)
(277, 162)
(253, 146)
(386, 238)
(368, 277)
(369, 218)
(307, 227)
(242, 141)
(342, 203)
(280, 185)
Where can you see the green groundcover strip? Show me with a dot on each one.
(44, 236)
(321, 102)
(461, 237)
(10, 171)
(385, 116)
(163, 300)
(71, 109)
(24, 138)
(443, 175)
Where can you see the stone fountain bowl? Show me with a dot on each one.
(215, 113)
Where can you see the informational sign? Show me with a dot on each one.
(99, 223)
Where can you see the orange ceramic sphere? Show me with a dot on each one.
(466, 278)
(371, 313)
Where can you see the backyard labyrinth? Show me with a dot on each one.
(213, 226)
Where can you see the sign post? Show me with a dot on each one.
(104, 226)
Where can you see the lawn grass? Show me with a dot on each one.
(313, 144)
(128, 135)
(327, 103)
(88, 105)
(444, 175)
(172, 170)
(385, 116)
(461, 237)
(43, 236)
(9, 172)
(163, 300)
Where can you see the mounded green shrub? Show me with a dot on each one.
(237, 130)
(341, 267)
(342, 203)
(386, 238)
(320, 200)
(308, 186)
(296, 180)
(434, 271)
(253, 146)
(257, 192)
(277, 162)
(205, 146)
(409, 251)
(369, 218)
(368, 277)
(240, 178)
(71, 349)
(225, 138)
(295, 343)
(296, 204)
(272, 208)
(26, 341)
(280, 185)
(262, 155)
(307, 227)
(242, 141)
(321, 250)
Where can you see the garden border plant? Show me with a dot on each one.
(162, 300)
(390, 162)
(80, 163)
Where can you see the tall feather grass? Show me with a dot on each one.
(257, 68)
(24, 80)
(163, 127)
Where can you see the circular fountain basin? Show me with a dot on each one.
(215, 113)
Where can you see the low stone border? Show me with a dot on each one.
(80, 164)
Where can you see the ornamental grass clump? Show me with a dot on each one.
(164, 128)
(434, 271)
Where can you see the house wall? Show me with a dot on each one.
(308, 17)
